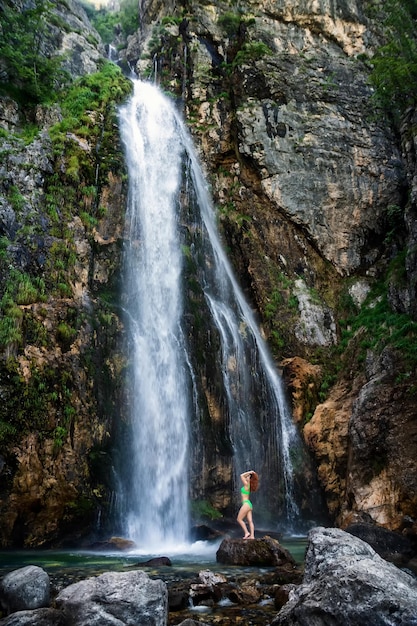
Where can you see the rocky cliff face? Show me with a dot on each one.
(312, 185)
(61, 227)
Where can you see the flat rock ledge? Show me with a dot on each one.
(347, 583)
(264, 552)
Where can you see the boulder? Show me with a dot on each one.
(388, 544)
(347, 582)
(24, 588)
(246, 593)
(115, 598)
(40, 617)
(208, 589)
(259, 552)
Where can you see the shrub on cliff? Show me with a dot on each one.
(32, 75)
(394, 64)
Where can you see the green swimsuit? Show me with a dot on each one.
(246, 493)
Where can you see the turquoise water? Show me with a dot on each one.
(65, 567)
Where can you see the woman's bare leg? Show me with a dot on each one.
(251, 524)
(244, 509)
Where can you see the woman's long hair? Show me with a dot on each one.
(254, 482)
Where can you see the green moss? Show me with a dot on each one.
(201, 509)
(377, 325)
(251, 52)
(65, 335)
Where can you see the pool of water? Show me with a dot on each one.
(68, 566)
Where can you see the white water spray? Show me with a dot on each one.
(158, 493)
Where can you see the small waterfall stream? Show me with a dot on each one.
(163, 171)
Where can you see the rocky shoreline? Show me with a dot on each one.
(344, 581)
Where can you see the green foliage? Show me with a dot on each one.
(95, 92)
(33, 76)
(251, 52)
(16, 199)
(273, 304)
(65, 335)
(203, 509)
(61, 260)
(30, 401)
(20, 289)
(394, 64)
(230, 23)
(378, 325)
(395, 221)
(60, 434)
(105, 21)
(24, 400)
(4, 245)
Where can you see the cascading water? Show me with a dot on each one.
(157, 494)
(154, 497)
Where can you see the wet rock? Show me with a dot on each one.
(115, 598)
(259, 552)
(209, 578)
(114, 543)
(247, 593)
(157, 561)
(40, 617)
(208, 588)
(203, 532)
(24, 588)
(347, 582)
(282, 595)
(389, 545)
(178, 596)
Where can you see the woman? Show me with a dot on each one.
(250, 484)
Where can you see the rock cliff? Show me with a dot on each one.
(315, 191)
(61, 224)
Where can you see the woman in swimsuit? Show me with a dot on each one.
(250, 483)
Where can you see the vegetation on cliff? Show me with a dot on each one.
(60, 228)
(394, 63)
(33, 76)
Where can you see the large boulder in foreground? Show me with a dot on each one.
(257, 552)
(115, 598)
(346, 582)
(24, 589)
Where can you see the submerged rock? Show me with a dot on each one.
(346, 582)
(157, 562)
(260, 552)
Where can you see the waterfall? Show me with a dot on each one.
(164, 177)
(157, 494)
